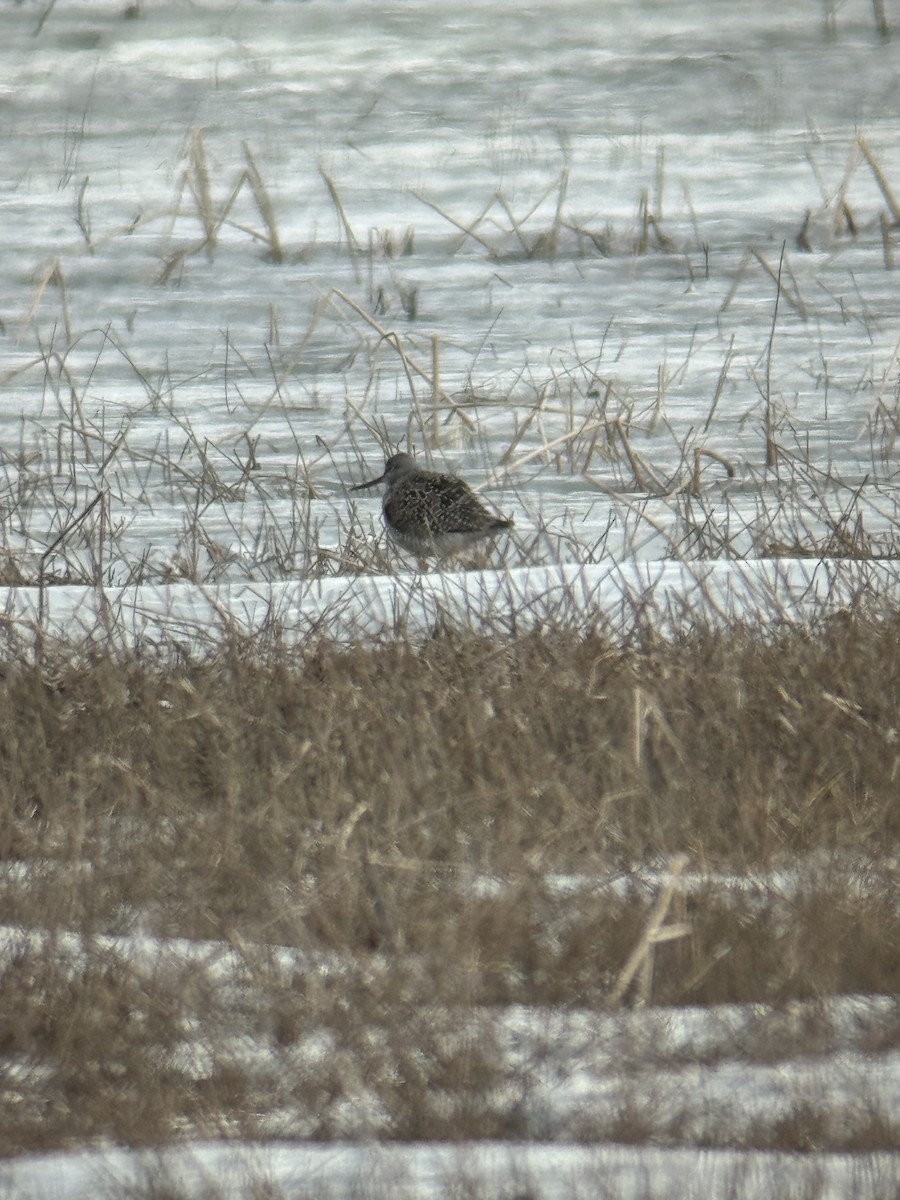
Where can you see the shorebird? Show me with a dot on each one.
(432, 515)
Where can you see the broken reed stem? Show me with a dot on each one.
(639, 468)
(263, 203)
(629, 454)
(468, 231)
(198, 181)
(881, 21)
(660, 181)
(522, 429)
(720, 384)
(545, 447)
(704, 452)
(887, 246)
(792, 298)
(54, 275)
(560, 200)
(644, 216)
(410, 365)
(886, 385)
(738, 279)
(637, 728)
(771, 447)
(101, 539)
(60, 537)
(352, 243)
(516, 226)
(883, 185)
(436, 387)
(82, 219)
(641, 957)
(830, 21)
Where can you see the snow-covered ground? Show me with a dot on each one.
(629, 176)
(433, 1172)
(648, 1101)
(694, 1090)
(670, 596)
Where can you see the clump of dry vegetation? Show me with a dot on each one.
(373, 851)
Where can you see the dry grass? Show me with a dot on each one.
(430, 834)
(732, 746)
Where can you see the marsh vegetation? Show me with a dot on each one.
(574, 874)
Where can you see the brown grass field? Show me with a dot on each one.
(432, 833)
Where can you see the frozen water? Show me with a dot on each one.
(585, 205)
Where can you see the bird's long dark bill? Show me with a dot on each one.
(358, 487)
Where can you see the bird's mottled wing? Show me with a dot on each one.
(427, 505)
